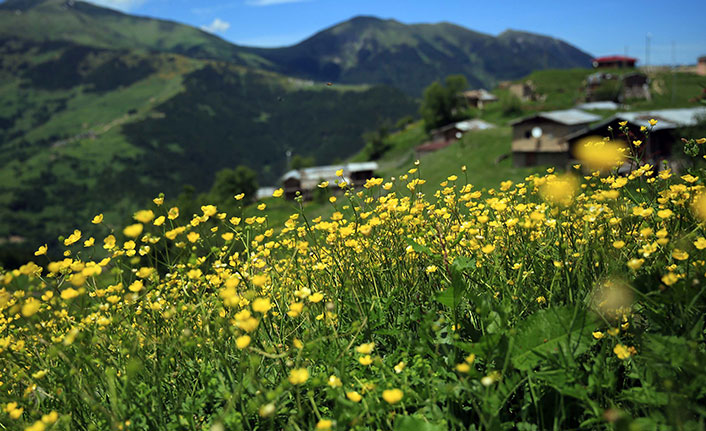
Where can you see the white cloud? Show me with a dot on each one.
(217, 26)
(271, 2)
(123, 5)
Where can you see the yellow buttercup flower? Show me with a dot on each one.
(621, 351)
(41, 250)
(392, 396)
(298, 376)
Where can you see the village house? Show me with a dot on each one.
(603, 86)
(479, 98)
(307, 180)
(662, 137)
(614, 61)
(541, 138)
(701, 66)
(525, 91)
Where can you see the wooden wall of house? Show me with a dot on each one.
(552, 133)
(555, 159)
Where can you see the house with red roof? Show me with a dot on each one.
(614, 61)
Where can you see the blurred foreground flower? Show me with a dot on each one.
(598, 154)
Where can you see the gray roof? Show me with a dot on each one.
(309, 178)
(666, 118)
(569, 117)
(605, 105)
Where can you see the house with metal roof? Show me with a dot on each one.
(306, 180)
(658, 145)
(541, 138)
(479, 98)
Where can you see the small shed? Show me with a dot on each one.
(524, 91)
(455, 131)
(614, 61)
(479, 98)
(541, 138)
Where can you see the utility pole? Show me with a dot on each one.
(674, 74)
(647, 51)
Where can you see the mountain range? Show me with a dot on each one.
(102, 110)
(362, 50)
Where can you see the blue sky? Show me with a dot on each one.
(598, 27)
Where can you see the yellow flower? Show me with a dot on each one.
(597, 335)
(278, 193)
(158, 200)
(74, 237)
(637, 143)
(173, 213)
(193, 236)
(621, 351)
(700, 243)
(653, 122)
(41, 250)
(133, 231)
(261, 305)
(136, 286)
(635, 264)
(392, 396)
(259, 280)
(680, 254)
(431, 268)
(354, 396)
(324, 425)
(463, 367)
(298, 376)
(30, 307)
(317, 297)
(365, 360)
(559, 190)
(598, 154)
(689, 178)
(144, 216)
(339, 173)
(37, 426)
(619, 244)
(400, 367)
(365, 348)
(69, 293)
(334, 381)
(97, 219)
(488, 248)
(159, 221)
(670, 278)
(239, 196)
(209, 210)
(243, 341)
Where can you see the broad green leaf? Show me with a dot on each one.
(413, 423)
(553, 331)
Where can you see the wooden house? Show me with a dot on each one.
(662, 137)
(541, 138)
(307, 180)
(479, 98)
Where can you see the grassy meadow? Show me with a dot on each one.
(544, 301)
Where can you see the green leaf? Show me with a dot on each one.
(553, 331)
(413, 423)
(645, 396)
(418, 247)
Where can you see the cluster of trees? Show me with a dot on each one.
(441, 104)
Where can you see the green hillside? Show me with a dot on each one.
(86, 24)
(88, 129)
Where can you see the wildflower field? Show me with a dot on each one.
(567, 301)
